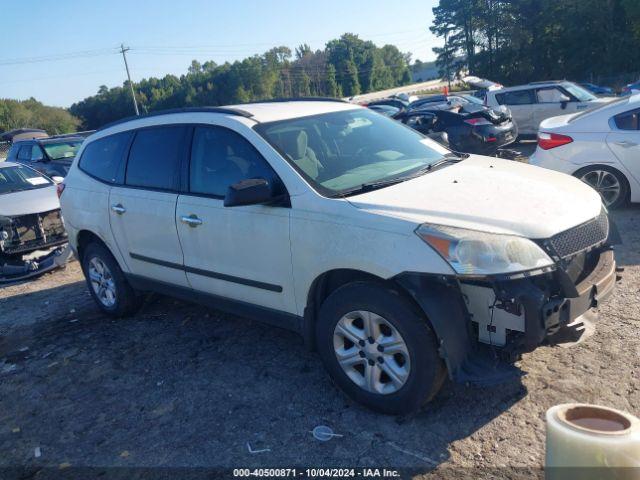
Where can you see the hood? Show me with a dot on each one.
(491, 195)
(29, 201)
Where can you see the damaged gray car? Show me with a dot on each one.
(33, 239)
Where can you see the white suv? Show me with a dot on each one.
(397, 259)
(531, 104)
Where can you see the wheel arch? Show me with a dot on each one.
(606, 166)
(85, 237)
(328, 282)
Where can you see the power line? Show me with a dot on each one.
(60, 56)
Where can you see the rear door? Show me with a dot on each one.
(522, 104)
(241, 252)
(142, 211)
(624, 140)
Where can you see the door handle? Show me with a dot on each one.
(626, 144)
(192, 220)
(118, 208)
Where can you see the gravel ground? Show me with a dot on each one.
(178, 385)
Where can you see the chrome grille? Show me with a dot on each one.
(581, 238)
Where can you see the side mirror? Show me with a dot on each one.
(563, 104)
(253, 191)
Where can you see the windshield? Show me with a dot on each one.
(56, 151)
(580, 93)
(339, 151)
(19, 178)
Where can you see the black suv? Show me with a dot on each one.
(50, 156)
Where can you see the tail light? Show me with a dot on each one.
(477, 121)
(547, 141)
(60, 189)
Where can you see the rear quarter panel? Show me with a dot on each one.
(85, 206)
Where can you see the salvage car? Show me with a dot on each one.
(51, 156)
(532, 103)
(33, 239)
(601, 147)
(469, 127)
(398, 260)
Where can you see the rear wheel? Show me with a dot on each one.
(378, 348)
(107, 283)
(608, 182)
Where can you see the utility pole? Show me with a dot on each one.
(124, 50)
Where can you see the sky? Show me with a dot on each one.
(62, 51)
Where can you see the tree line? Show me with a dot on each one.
(518, 41)
(33, 114)
(347, 66)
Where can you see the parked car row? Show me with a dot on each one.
(460, 122)
(595, 139)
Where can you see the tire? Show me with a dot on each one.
(418, 369)
(123, 300)
(607, 177)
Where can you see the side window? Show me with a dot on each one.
(36, 153)
(551, 95)
(24, 153)
(221, 157)
(628, 120)
(519, 97)
(101, 158)
(155, 156)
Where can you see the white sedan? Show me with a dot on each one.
(601, 147)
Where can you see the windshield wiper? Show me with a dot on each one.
(370, 186)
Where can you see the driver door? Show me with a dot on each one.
(552, 101)
(242, 252)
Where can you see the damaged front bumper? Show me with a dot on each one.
(37, 263)
(484, 325)
(31, 245)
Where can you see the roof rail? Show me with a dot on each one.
(297, 99)
(224, 110)
(546, 81)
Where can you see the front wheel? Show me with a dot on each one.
(378, 348)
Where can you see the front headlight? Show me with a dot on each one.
(474, 253)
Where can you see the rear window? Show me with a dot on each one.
(101, 158)
(628, 120)
(154, 157)
(56, 151)
(519, 97)
(591, 111)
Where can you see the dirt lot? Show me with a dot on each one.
(181, 386)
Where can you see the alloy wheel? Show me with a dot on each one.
(605, 183)
(102, 282)
(371, 352)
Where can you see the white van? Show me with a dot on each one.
(531, 104)
(398, 260)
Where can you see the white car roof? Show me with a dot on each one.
(274, 111)
(529, 86)
(247, 113)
